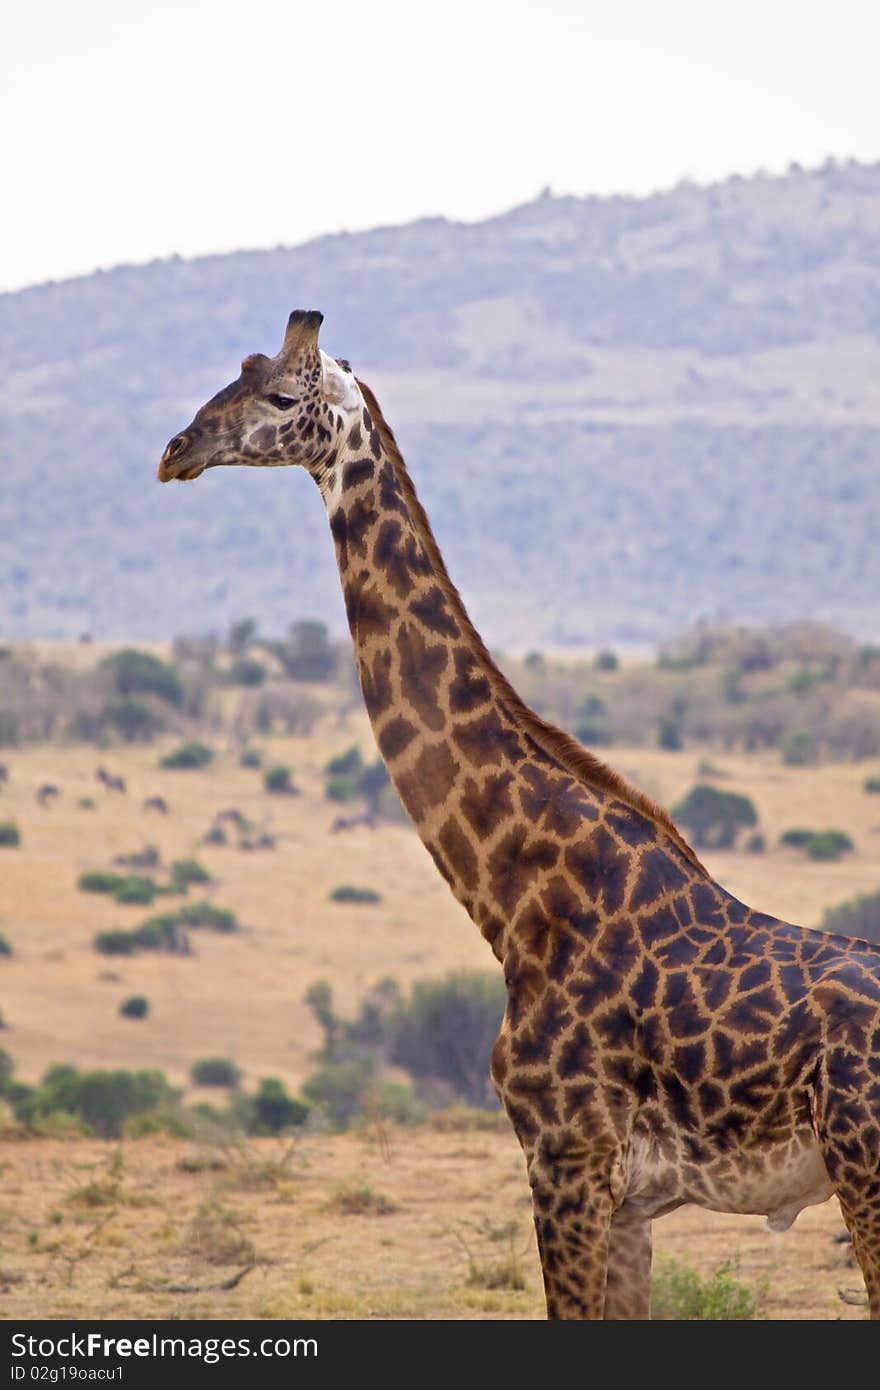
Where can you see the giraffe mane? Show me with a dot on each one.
(573, 756)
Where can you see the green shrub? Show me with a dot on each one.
(714, 818)
(133, 720)
(756, 844)
(447, 1030)
(871, 785)
(342, 1089)
(114, 943)
(215, 1071)
(346, 893)
(818, 844)
(135, 888)
(99, 882)
(135, 672)
(103, 1100)
(606, 661)
(251, 757)
(829, 844)
(277, 780)
(5, 948)
(669, 732)
(797, 838)
(799, 749)
(189, 755)
(307, 655)
(10, 835)
(274, 1110)
(135, 1006)
(858, 917)
(206, 915)
(215, 836)
(679, 1293)
(246, 671)
(341, 789)
(160, 933)
(347, 764)
(187, 871)
(125, 888)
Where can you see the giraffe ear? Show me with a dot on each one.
(338, 385)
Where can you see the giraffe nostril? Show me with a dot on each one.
(176, 445)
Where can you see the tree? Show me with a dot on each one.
(714, 818)
(447, 1030)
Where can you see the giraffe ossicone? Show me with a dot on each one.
(663, 1043)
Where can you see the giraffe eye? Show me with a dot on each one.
(283, 402)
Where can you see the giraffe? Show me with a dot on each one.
(663, 1043)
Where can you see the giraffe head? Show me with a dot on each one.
(293, 408)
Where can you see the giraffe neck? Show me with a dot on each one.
(469, 760)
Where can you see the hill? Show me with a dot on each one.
(621, 414)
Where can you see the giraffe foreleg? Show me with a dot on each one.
(628, 1290)
(573, 1209)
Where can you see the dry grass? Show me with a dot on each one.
(458, 1242)
(80, 1238)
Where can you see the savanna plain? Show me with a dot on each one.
(415, 1210)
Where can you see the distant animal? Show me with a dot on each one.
(110, 780)
(156, 803)
(46, 793)
(351, 823)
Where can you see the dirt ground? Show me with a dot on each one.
(82, 1238)
(385, 1224)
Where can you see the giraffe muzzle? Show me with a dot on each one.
(177, 464)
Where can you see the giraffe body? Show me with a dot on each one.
(663, 1043)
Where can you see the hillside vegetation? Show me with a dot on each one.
(622, 414)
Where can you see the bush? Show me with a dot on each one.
(679, 1293)
(871, 785)
(99, 882)
(206, 915)
(818, 844)
(101, 1099)
(277, 780)
(189, 755)
(246, 671)
(714, 818)
(124, 888)
(342, 1089)
(159, 933)
(10, 836)
(187, 871)
(799, 749)
(135, 672)
(341, 789)
(114, 943)
(135, 1006)
(447, 1031)
(858, 917)
(274, 1110)
(346, 893)
(215, 1071)
(133, 720)
(251, 757)
(136, 889)
(307, 655)
(5, 948)
(756, 844)
(606, 661)
(669, 732)
(347, 764)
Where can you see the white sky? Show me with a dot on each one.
(136, 128)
